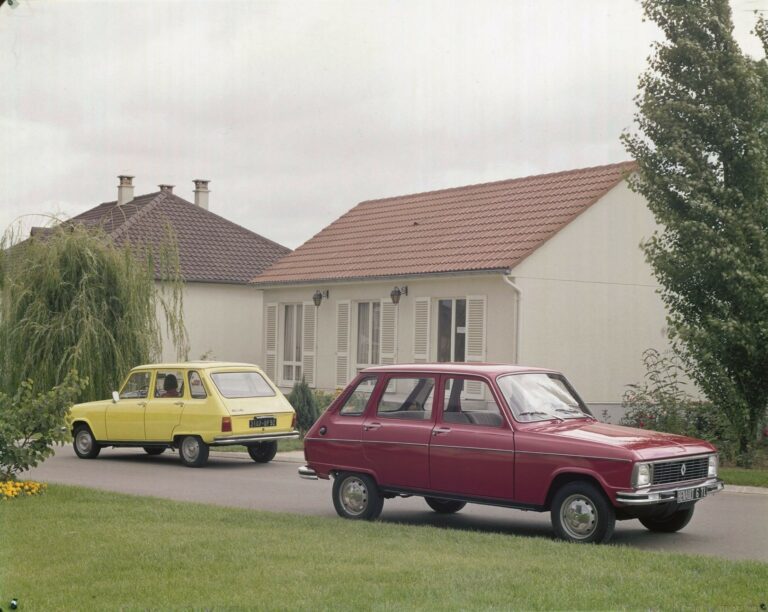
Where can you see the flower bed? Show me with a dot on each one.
(17, 488)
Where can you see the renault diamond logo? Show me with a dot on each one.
(682, 470)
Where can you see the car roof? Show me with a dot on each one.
(199, 365)
(487, 369)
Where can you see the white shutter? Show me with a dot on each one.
(388, 333)
(475, 347)
(309, 342)
(270, 340)
(421, 313)
(342, 343)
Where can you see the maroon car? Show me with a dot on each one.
(506, 436)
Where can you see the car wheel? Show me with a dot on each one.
(263, 452)
(444, 506)
(154, 450)
(582, 513)
(675, 522)
(193, 451)
(356, 496)
(85, 444)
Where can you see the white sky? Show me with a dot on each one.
(298, 110)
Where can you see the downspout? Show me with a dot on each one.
(518, 314)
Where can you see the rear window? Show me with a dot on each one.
(242, 384)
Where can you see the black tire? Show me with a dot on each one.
(582, 513)
(263, 452)
(356, 496)
(675, 522)
(444, 506)
(193, 451)
(84, 443)
(154, 450)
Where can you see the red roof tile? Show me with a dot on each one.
(491, 226)
(211, 249)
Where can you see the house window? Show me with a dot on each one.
(368, 334)
(292, 350)
(451, 329)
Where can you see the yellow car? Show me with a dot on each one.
(190, 407)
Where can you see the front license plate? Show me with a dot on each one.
(269, 421)
(686, 495)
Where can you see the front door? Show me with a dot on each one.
(163, 412)
(396, 434)
(125, 418)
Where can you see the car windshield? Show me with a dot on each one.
(540, 397)
(242, 384)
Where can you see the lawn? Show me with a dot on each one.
(75, 548)
(755, 477)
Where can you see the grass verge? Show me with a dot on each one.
(755, 477)
(75, 548)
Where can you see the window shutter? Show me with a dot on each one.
(342, 343)
(270, 340)
(475, 347)
(421, 330)
(309, 342)
(388, 333)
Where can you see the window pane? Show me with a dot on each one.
(196, 388)
(288, 335)
(299, 336)
(461, 331)
(137, 386)
(444, 308)
(363, 343)
(357, 401)
(375, 326)
(459, 408)
(287, 372)
(242, 384)
(169, 384)
(414, 404)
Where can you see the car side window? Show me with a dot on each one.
(470, 402)
(357, 401)
(196, 387)
(137, 386)
(169, 383)
(407, 398)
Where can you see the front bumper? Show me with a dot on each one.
(253, 438)
(649, 497)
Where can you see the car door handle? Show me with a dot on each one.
(142, 404)
(371, 426)
(178, 403)
(440, 430)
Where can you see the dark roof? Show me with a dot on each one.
(491, 226)
(211, 249)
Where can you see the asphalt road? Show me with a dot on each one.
(730, 524)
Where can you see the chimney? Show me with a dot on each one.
(124, 189)
(201, 193)
(166, 188)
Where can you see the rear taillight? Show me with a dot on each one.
(226, 423)
(293, 421)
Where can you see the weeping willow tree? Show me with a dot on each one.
(72, 300)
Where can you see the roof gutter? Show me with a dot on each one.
(267, 284)
(509, 279)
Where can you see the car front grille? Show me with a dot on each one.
(680, 471)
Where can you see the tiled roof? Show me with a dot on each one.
(492, 226)
(211, 249)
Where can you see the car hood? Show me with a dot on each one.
(645, 444)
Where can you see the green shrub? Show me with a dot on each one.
(303, 401)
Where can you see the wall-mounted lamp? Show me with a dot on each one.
(319, 295)
(397, 292)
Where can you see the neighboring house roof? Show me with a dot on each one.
(491, 226)
(211, 249)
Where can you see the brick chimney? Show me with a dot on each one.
(124, 189)
(166, 188)
(201, 193)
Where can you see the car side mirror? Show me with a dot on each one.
(115, 397)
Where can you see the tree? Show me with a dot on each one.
(73, 300)
(702, 155)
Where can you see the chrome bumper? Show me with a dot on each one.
(229, 440)
(645, 498)
(307, 472)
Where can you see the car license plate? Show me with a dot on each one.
(685, 495)
(268, 421)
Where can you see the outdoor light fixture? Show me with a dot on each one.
(319, 295)
(397, 292)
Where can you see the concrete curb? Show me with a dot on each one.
(747, 490)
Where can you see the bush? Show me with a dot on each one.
(323, 399)
(303, 401)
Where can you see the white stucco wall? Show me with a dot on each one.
(222, 321)
(590, 306)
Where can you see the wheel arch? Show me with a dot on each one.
(565, 477)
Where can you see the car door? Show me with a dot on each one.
(164, 408)
(125, 418)
(471, 450)
(396, 432)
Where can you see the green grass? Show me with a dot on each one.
(755, 477)
(79, 549)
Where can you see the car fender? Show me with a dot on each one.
(566, 474)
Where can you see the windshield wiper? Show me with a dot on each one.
(546, 414)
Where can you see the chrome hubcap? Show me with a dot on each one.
(578, 516)
(354, 496)
(83, 441)
(190, 449)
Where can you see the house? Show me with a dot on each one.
(217, 260)
(543, 271)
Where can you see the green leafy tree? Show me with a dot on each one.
(31, 423)
(303, 401)
(73, 300)
(702, 153)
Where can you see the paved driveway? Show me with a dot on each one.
(729, 524)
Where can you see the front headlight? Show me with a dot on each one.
(712, 469)
(641, 476)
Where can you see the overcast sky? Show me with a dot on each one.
(296, 111)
